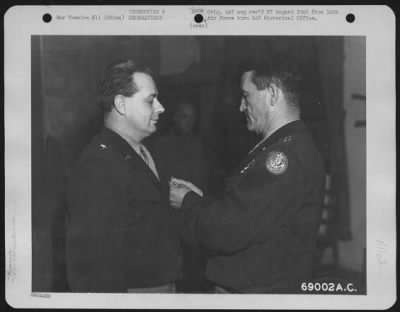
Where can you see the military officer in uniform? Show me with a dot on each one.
(263, 231)
(121, 235)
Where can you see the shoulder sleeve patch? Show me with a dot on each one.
(277, 162)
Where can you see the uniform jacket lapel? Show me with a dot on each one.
(117, 143)
(244, 165)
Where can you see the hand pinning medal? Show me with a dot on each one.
(277, 162)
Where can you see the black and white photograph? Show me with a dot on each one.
(99, 225)
(198, 165)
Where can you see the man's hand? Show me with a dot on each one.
(178, 190)
(176, 194)
(191, 186)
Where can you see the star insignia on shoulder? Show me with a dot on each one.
(103, 146)
(287, 139)
(277, 162)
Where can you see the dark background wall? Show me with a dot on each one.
(65, 72)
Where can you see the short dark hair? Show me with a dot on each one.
(281, 71)
(118, 79)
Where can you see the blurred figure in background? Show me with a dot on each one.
(180, 153)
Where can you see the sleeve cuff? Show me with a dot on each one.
(190, 199)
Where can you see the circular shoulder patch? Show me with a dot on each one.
(276, 162)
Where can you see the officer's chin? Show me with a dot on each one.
(151, 129)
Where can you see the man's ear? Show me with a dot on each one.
(119, 104)
(275, 92)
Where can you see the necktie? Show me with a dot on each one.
(144, 155)
(148, 160)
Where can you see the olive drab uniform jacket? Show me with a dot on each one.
(121, 229)
(262, 234)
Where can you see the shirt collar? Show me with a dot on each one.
(286, 130)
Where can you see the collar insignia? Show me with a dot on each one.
(287, 139)
(277, 162)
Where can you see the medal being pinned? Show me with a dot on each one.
(277, 162)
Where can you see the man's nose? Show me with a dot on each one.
(158, 107)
